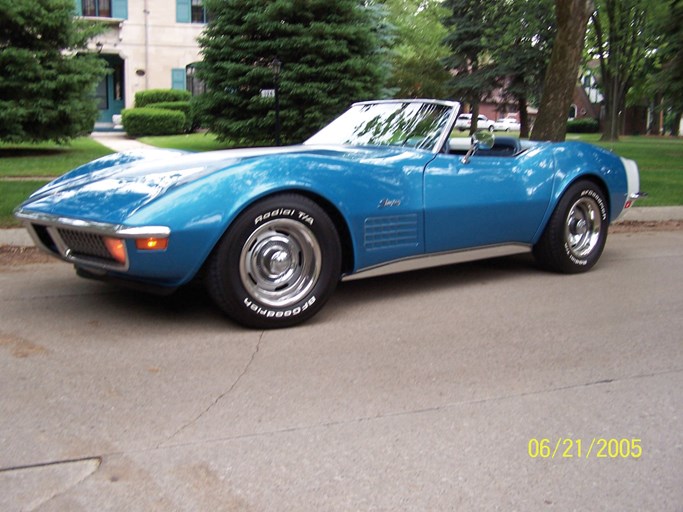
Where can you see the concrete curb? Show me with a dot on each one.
(19, 237)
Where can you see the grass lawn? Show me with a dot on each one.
(13, 193)
(189, 142)
(48, 159)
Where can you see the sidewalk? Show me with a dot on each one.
(19, 237)
(118, 141)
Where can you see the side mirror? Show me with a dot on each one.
(483, 139)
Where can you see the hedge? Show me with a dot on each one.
(139, 122)
(145, 98)
(181, 106)
(584, 125)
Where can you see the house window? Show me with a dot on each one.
(194, 84)
(98, 8)
(198, 11)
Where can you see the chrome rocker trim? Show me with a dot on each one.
(439, 259)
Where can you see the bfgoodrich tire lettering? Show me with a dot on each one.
(277, 264)
(576, 233)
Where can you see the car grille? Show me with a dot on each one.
(73, 244)
(84, 244)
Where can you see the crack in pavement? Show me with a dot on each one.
(219, 397)
(37, 465)
(51, 488)
(424, 410)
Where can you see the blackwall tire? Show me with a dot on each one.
(576, 233)
(277, 264)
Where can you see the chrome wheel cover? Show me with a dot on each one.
(280, 263)
(583, 226)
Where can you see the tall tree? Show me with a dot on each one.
(562, 72)
(470, 25)
(418, 49)
(666, 82)
(329, 53)
(521, 48)
(620, 41)
(47, 78)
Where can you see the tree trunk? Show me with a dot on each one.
(475, 117)
(523, 117)
(562, 73)
(676, 126)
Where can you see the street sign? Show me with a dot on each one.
(267, 93)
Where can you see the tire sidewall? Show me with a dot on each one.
(552, 251)
(248, 310)
(577, 192)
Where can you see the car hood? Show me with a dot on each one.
(114, 187)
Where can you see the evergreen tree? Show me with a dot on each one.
(46, 83)
(330, 58)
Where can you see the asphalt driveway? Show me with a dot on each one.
(485, 386)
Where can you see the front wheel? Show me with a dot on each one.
(277, 264)
(576, 233)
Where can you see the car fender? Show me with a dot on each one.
(578, 160)
(200, 212)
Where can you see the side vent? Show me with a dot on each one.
(391, 231)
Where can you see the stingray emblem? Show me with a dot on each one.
(386, 203)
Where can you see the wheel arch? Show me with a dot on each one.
(339, 222)
(337, 218)
(596, 179)
(599, 182)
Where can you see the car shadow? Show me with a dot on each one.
(191, 303)
(436, 278)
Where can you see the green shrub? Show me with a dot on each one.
(144, 98)
(181, 106)
(584, 125)
(138, 122)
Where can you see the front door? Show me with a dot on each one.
(487, 201)
(110, 91)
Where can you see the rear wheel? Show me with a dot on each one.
(576, 233)
(277, 264)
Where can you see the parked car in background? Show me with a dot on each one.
(464, 122)
(507, 124)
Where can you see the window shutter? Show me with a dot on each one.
(119, 9)
(178, 78)
(182, 11)
(79, 8)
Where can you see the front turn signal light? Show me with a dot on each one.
(151, 244)
(116, 248)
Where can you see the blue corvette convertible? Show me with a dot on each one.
(380, 189)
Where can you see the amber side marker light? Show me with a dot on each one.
(117, 249)
(151, 244)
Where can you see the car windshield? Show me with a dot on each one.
(414, 124)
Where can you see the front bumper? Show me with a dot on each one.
(84, 243)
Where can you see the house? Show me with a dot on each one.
(149, 44)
